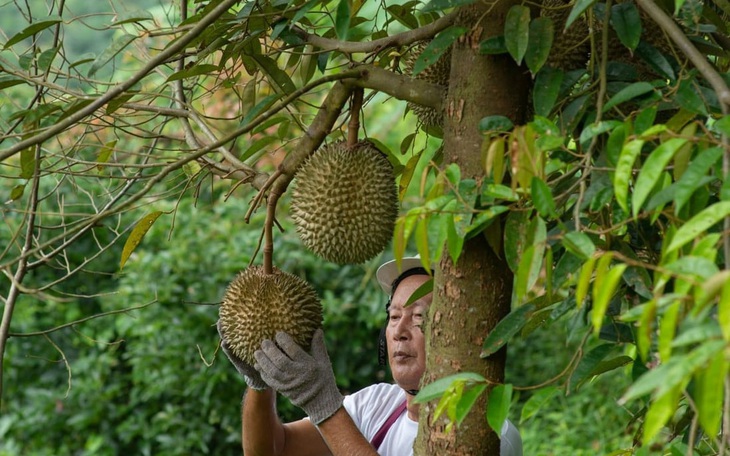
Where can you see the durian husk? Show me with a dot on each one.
(571, 48)
(345, 202)
(257, 305)
(437, 73)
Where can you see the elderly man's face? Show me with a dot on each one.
(406, 345)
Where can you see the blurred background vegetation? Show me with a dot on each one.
(150, 381)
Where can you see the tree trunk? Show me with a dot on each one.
(470, 297)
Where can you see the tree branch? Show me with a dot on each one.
(82, 320)
(22, 265)
(713, 77)
(400, 86)
(117, 90)
(680, 39)
(354, 47)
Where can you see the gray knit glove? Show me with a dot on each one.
(250, 375)
(306, 379)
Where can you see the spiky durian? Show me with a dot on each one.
(571, 48)
(437, 73)
(257, 305)
(345, 202)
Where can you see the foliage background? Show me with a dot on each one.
(148, 382)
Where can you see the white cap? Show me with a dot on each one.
(389, 271)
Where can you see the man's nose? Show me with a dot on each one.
(403, 328)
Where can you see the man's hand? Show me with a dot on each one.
(306, 379)
(250, 375)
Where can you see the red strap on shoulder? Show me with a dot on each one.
(380, 435)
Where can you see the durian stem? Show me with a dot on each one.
(318, 130)
(268, 232)
(354, 126)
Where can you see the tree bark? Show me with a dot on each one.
(473, 295)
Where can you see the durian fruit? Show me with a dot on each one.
(571, 48)
(345, 202)
(437, 73)
(257, 305)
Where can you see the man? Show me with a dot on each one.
(381, 419)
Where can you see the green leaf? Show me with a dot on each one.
(693, 177)
(579, 244)
(303, 10)
(46, 59)
(492, 46)
(483, 218)
(528, 270)
(579, 8)
(546, 90)
(499, 192)
(137, 234)
(440, 5)
(342, 19)
(614, 145)
(688, 98)
(515, 238)
(425, 288)
(709, 391)
(584, 280)
(698, 224)
(495, 123)
(588, 363)
(17, 192)
(436, 48)
(629, 92)
(659, 412)
(110, 52)
(506, 328)
(656, 60)
(32, 29)
(260, 107)
(542, 198)
(624, 169)
(27, 162)
(539, 399)
(466, 402)
(603, 289)
(105, 153)
(437, 388)
(651, 170)
(7, 80)
(627, 23)
(500, 399)
(135, 16)
(281, 82)
(257, 145)
(539, 44)
(593, 130)
(517, 31)
(195, 70)
(673, 373)
(722, 125)
(723, 311)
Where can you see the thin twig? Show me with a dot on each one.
(82, 320)
(401, 39)
(65, 361)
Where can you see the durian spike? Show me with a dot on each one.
(354, 125)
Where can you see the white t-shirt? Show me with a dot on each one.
(371, 407)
